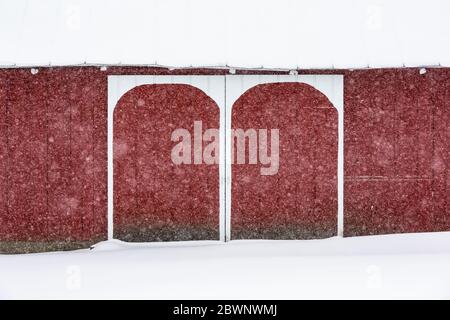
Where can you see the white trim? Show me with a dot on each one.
(225, 90)
(118, 85)
(332, 86)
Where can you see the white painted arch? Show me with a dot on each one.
(225, 90)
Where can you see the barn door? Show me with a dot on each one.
(223, 157)
(164, 146)
(284, 183)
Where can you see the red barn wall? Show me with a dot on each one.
(53, 153)
(155, 199)
(53, 158)
(300, 200)
(397, 142)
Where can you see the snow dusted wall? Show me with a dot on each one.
(156, 199)
(288, 34)
(52, 158)
(297, 197)
(53, 163)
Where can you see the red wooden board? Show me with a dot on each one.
(155, 199)
(5, 227)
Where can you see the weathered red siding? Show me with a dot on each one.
(155, 199)
(4, 226)
(396, 151)
(26, 157)
(53, 152)
(300, 200)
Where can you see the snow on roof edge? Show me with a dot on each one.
(218, 67)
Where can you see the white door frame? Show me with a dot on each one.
(213, 86)
(225, 90)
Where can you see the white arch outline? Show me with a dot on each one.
(225, 90)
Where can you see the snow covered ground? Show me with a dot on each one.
(393, 266)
